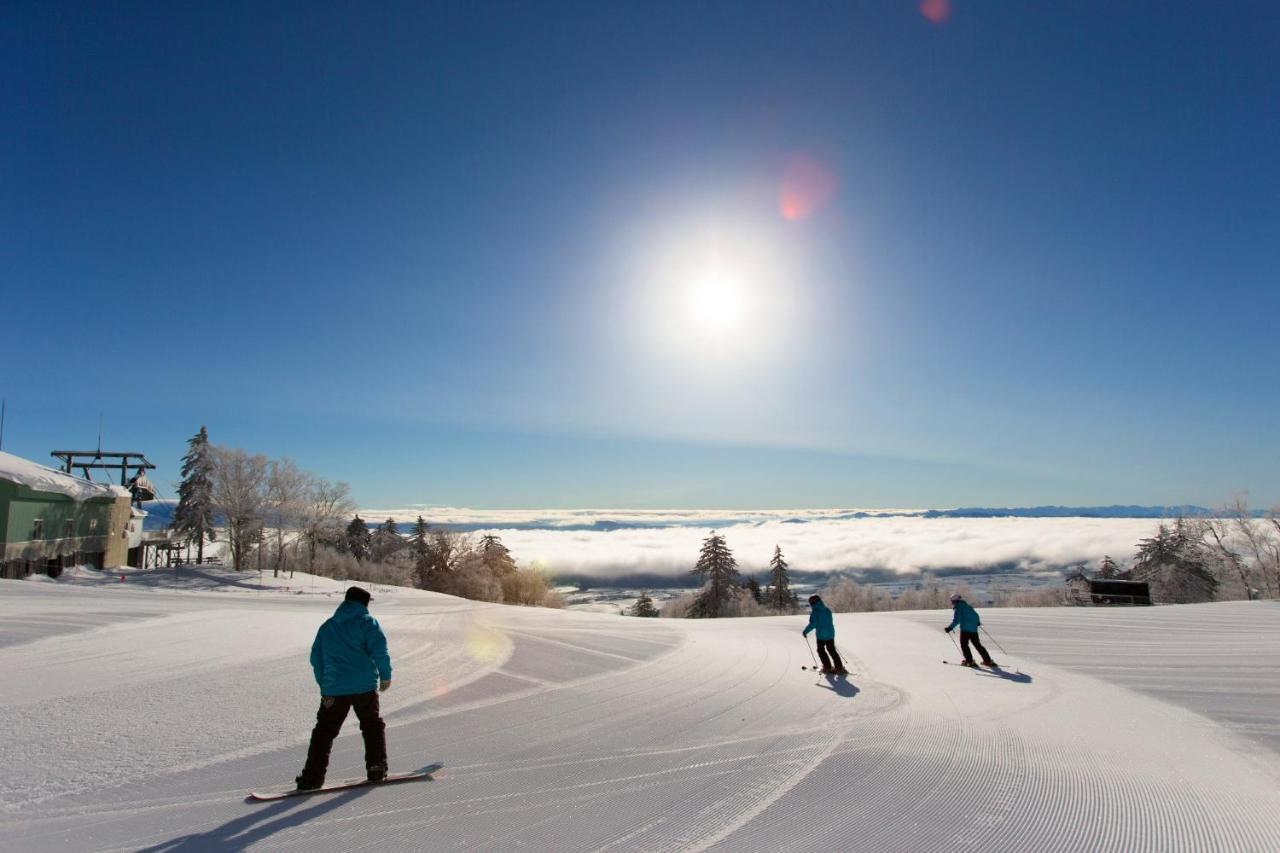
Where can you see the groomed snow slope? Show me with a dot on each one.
(139, 718)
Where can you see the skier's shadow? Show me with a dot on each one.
(1015, 677)
(841, 686)
(240, 833)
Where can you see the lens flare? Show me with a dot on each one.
(936, 11)
(806, 187)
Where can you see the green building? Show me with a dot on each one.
(50, 520)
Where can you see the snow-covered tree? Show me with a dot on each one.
(193, 516)
(325, 504)
(718, 570)
(778, 594)
(286, 489)
(753, 586)
(239, 497)
(1176, 564)
(644, 606)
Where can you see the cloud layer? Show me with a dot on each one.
(811, 540)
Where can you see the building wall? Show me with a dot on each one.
(70, 531)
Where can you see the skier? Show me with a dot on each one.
(967, 618)
(820, 620)
(351, 664)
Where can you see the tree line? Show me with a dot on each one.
(274, 515)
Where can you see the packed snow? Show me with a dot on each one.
(139, 713)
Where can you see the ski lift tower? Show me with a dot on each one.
(87, 459)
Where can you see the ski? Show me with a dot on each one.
(349, 784)
(966, 666)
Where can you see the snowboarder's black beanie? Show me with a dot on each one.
(814, 599)
(355, 593)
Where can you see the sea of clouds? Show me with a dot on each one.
(614, 544)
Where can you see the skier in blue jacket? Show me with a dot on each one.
(967, 618)
(351, 665)
(820, 621)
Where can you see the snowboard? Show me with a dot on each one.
(349, 784)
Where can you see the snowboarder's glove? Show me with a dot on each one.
(326, 701)
(383, 685)
(948, 630)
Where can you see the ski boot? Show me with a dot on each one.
(376, 772)
(969, 664)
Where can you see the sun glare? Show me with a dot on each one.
(714, 303)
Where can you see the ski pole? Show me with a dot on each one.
(808, 645)
(997, 642)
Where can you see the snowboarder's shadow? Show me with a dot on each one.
(1015, 677)
(240, 833)
(840, 685)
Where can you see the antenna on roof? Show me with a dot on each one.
(2, 402)
(99, 434)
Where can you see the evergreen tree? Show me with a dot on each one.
(644, 606)
(753, 586)
(386, 541)
(717, 568)
(496, 556)
(1176, 564)
(1108, 569)
(420, 547)
(359, 539)
(194, 514)
(779, 595)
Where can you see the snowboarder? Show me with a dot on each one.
(351, 664)
(820, 621)
(967, 618)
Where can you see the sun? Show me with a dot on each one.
(715, 302)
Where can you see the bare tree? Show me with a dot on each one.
(286, 488)
(325, 504)
(239, 497)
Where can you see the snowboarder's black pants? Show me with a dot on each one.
(826, 647)
(967, 637)
(333, 710)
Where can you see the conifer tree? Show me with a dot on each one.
(644, 606)
(717, 568)
(753, 586)
(779, 595)
(358, 538)
(194, 514)
(496, 556)
(386, 541)
(1108, 568)
(420, 547)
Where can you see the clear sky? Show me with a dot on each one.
(649, 254)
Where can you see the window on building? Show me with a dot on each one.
(37, 529)
(68, 529)
(93, 525)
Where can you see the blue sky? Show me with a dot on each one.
(643, 254)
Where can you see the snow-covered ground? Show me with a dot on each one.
(137, 714)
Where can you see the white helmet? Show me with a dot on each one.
(955, 596)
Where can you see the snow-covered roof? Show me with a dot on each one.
(42, 478)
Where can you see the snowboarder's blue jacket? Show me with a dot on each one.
(966, 617)
(820, 620)
(350, 652)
